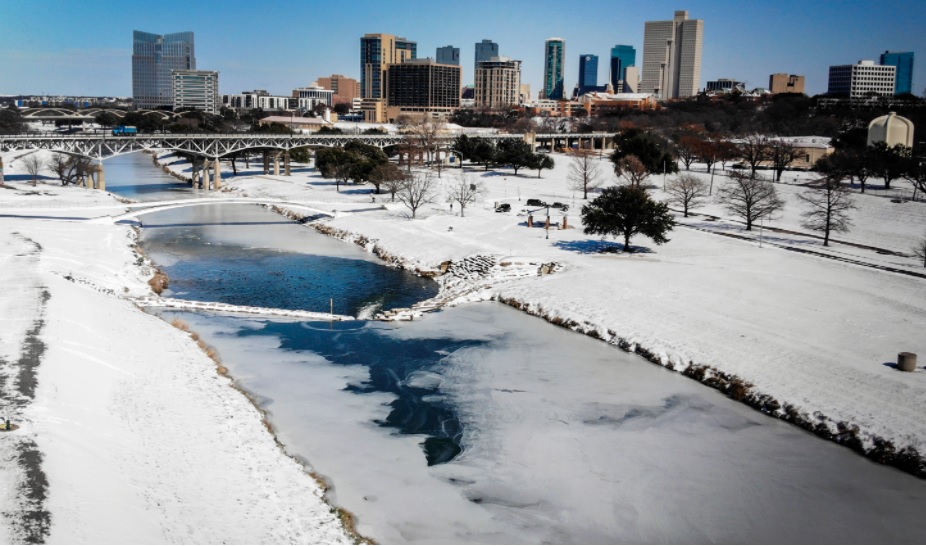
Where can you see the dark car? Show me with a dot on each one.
(535, 203)
(504, 207)
(558, 205)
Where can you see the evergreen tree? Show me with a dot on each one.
(627, 211)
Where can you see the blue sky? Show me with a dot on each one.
(84, 47)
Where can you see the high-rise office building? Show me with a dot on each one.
(498, 83)
(154, 57)
(448, 55)
(672, 57)
(554, 51)
(903, 61)
(588, 73)
(485, 50)
(422, 87)
(622, 58)
(197, 89)
(861, 80)
(377, 52)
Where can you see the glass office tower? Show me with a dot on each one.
(154, 56)
(903, 60)
(553, 68)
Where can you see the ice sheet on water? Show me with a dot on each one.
(566, 440)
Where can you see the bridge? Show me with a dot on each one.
(212, 147)
(144, 208)
(85, 115)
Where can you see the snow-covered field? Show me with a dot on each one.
(817, 333)
(127, 432)
(138, 434)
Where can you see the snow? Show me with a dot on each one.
(142, 440)
(129, 408)
(812, 332)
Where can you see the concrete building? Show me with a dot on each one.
(672, 57)
(786, 83)
(498, 83)
(448, 55)
(631, 81)
(892, 130)
(554, 63)
(345, 89)
(422, 88)
(319, 95)
(197, 89)
(622, 58)
(259, 98)
(485, 50)
(524, 95)
(861, 80)
(598, 103)
(154, 57)
(903, 62)
(588, 73)
(377, 52)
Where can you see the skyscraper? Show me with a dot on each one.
(498, 82)
(448, 55)
(672, 57)
(154, 56)
(588, 73)
(377, 52)
(903, 60)
(485, 50)
(622, 58)
(553, 65)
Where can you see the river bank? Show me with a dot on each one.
(774, 329)
(127, 431)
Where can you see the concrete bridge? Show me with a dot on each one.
(212, 147)
(144, 208)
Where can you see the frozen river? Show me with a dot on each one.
(480, 424)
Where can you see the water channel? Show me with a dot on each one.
(480, 424)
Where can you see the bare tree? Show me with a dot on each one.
(753, 150)
(584, 171)
(464, 191)
(688, 147)
(631, 169)
(687, 191)
(34, 166)
(417, 191)
(781, 153)
(70, 169)
(750, 199)
(829, 203)
(920, 249)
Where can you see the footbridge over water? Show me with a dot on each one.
(137, 210)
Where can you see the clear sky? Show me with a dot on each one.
(85, 47)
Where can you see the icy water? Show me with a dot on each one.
(483, 425)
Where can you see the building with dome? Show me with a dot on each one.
(891, 129)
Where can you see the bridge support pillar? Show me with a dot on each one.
(204, 181)
(276, 164)
(287, 170)
(217, 181)
(266, 163)
(100, 176)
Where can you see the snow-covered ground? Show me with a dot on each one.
(130, 434)
(127, 431)
(812, 337)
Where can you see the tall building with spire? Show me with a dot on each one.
(672, 57)
(154, 57)
(553, 68)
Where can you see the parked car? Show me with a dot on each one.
(504, 207)
(535, 203)
(558, 205)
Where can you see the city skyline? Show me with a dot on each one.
(746, 41)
